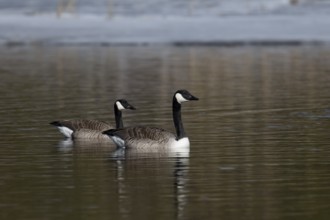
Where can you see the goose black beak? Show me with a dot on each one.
(131, 107)
(193, 98)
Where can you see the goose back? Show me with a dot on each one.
(83, 124)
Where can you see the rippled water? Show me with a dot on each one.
(259, 133)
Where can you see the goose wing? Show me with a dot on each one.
(83, 124)
(142, 133)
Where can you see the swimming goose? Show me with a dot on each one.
(92, 129)
(151, 139)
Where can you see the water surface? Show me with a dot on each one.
(259, 133)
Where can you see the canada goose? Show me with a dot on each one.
(150, 139)
(91, 129)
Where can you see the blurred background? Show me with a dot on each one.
(259, 133)
(159, 21)
(146, 7)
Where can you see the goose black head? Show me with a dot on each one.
(123, 104)
(183, 95)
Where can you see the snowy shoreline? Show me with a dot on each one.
(236, 30)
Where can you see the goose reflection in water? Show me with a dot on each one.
(139, 166)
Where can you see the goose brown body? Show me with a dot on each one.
(89, 134)
(141, 137)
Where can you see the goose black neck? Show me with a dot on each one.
(119, 121)
(177, 119)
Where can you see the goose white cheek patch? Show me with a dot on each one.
(119, 106)
(180, 98)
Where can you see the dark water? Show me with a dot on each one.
(259, 133)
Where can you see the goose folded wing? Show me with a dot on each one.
(84, 124)
(143, 133)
